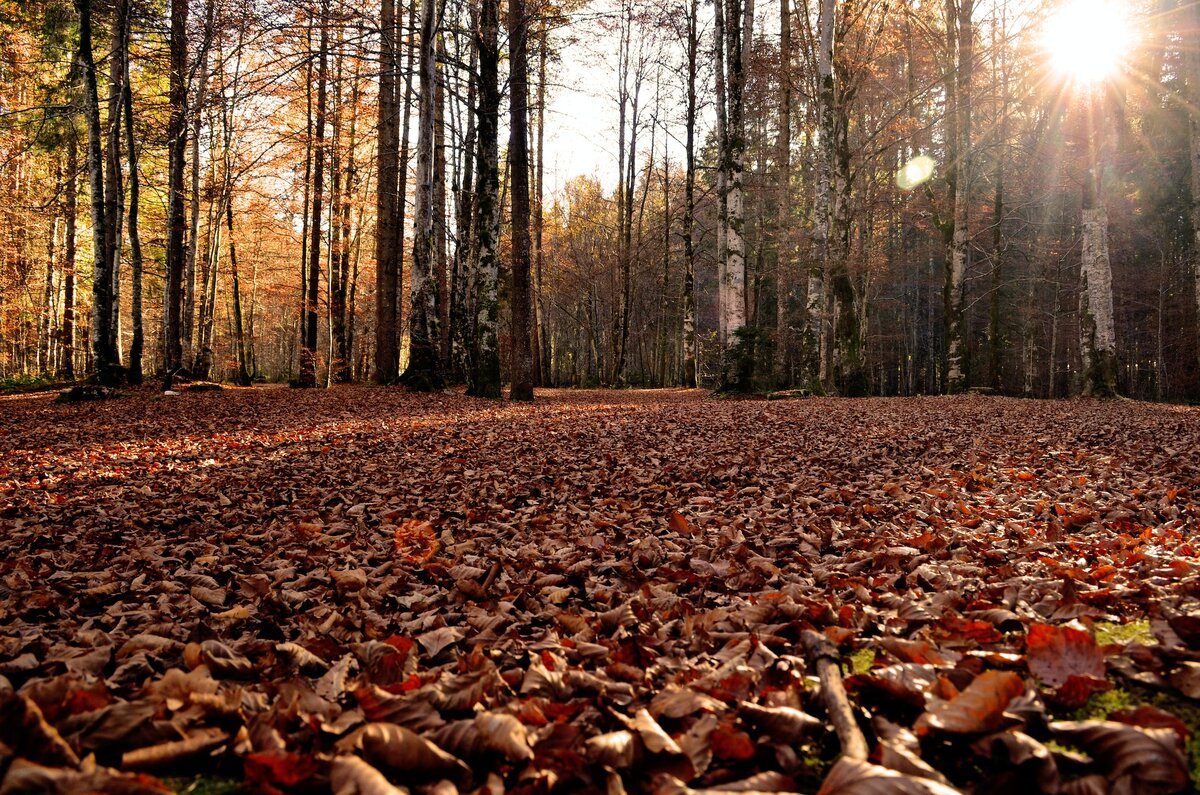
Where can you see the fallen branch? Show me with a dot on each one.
(828, 664)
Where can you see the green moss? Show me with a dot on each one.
(1108, 633)
(203, 785)
(861, 661)
(1101, 705)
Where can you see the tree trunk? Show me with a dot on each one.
(1098, 339)
(114, 188)
(424, 371)
(188, 289)
(689, 210)
(783, 227)
(308, 352)
(104, 358)
(816, 339)
(1193, 82)
(387, 231)
(960, 33)
(177, 144)
(722, 176)
(138, 343)
(239, 334)
(518, 154)
(484, 374)
(66, 367)
(739, 367)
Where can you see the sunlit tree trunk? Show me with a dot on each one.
(104, 358)
(737, 30)
(960, 36)
(177, 144)
(518, 154)
(66, 366)
(188, 289)
(114, 187)
(1098, 343)
(484, 373)
(424, 362)
(137, 345)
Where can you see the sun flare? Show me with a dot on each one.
(1087, 40)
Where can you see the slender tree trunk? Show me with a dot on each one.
(689, 211)
(518, 154)
(239, 334)
(387, 231)
(1098, 342)
(722, 176)
(138, 343)
(337, 240)
(783, 227)
(817, 333)
(465, 253)
(739, 367)
(424, 371)
(66, 366)
(188, 320)
(543, 346)
(1193, 82)
(484, 375)
(995, 331)
(960, 26)
(177, 145)
(308, 353)
(114, 188)
(402, 189)
(345, 336)
(45, 338)
(104, 358)
(440, 260)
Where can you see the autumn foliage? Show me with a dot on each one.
(362, 590)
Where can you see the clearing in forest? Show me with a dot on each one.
(602, 591)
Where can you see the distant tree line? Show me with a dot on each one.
(848, 196)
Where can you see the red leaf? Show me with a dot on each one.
(1055, 654)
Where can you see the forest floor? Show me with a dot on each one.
(600, 592)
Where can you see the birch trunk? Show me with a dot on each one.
(959, 25)
(1098, 343)
(816, 334)
(424, 364)
(484, 373)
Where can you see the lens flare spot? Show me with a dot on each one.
(916, 172)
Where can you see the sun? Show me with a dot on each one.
(1088, 40)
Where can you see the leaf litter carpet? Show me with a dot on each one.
(367, 591)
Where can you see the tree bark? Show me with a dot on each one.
(424, 371)
(689, 210)
(1193, 83)
(518, 154)
(387, 231)
(104, 358)
(960, 34)
(816, 339)
(782, 221)
(66, 367)
(308, 352)
(114, 187)
(188, 289)
(177, 144)
(137, 345)
(1098, 343)
(484, 374)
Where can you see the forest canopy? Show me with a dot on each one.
(843, 196)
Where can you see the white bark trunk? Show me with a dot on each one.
(1099, 343)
